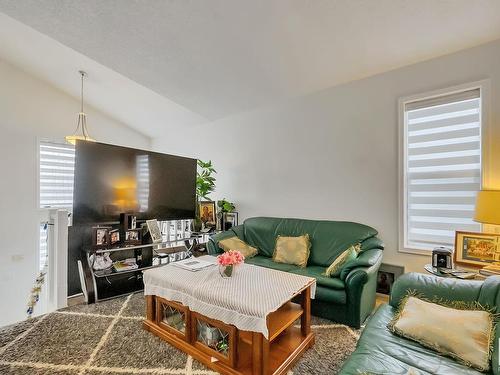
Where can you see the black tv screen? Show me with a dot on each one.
(110, 180)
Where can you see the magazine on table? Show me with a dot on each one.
(193, 264)
(125, 265)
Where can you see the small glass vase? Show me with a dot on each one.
(227, 271)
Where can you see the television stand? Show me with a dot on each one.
(110, 283)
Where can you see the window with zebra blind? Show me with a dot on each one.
(441, 167)
(57, 164)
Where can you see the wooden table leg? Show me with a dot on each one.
(305, 320)
(257, 353)
(265, 355)
(260, 354)
(150, 308)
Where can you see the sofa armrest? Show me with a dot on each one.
(435, 287)
(372, 243)
(212, 245)
(361, 284)
(365, 260)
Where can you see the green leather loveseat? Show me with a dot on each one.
(348, 299)
(381, 352)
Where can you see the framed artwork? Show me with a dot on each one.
(100, 237)
(154, 230)
(133, 237)
(476, 249)
(229, 220)
(207, 213)
(387, 275)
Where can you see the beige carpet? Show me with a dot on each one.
(107, 338)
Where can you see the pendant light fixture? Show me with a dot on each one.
(81, 132)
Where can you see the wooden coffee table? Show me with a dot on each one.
(225, 348)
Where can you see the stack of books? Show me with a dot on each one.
(491, 270)
(125, 265)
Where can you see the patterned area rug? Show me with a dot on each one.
(107, 338)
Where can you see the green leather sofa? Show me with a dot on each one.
(348, 299)
(381, 352)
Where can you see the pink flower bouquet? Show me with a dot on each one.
(228, 260)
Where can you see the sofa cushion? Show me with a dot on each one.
(234, 243)
(263, 261)
(464, 334)
(292, 250)
(317, 272)
(336, 267)
(328, 238)
(381, 352)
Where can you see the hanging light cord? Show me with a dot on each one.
(81, 93)
(82, 116)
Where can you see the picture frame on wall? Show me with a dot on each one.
(229, 220)
(476, 249)
(208, 213)
(387, 275)
(100, 237)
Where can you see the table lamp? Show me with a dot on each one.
(488, 207)
(488, 212)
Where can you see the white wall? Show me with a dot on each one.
(333, 154)
(30, 108)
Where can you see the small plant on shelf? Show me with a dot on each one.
(225, 206)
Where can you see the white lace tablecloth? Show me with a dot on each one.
(243, 300)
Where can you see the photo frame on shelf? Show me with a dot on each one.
(207, 213)
(128, 221)
(229, 220)
(154, 230)
(387, 275)
(114, 236)
(133, 237)
(100, 237)
(476, 249)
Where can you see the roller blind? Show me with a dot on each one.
(443, 168)
(57, 163)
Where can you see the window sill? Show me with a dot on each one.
(420, 252)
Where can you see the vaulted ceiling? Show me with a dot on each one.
(209, 59)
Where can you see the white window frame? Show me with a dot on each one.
(484, 88)
(43, 212)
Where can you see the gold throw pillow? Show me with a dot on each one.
(234, 243)
(465, 335)
(351, 253)
(292, 250)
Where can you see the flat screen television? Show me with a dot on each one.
(110, 180)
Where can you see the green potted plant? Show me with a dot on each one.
(225, 206)
(205, 184)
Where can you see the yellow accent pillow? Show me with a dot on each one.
(465, 335)
(234, 243)
(292, 250)
(334, 269)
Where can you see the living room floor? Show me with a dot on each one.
(107, 338)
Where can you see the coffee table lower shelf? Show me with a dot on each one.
(227, 350)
